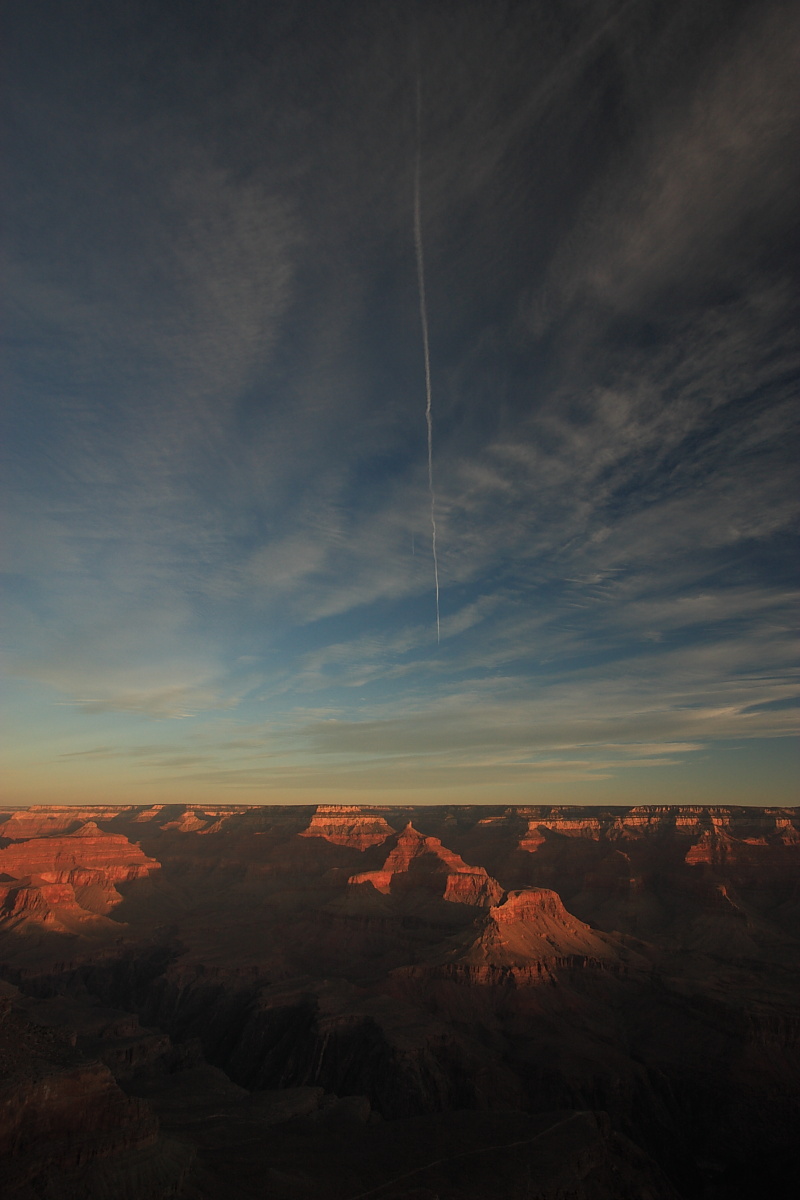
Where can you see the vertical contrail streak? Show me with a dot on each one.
(423, 316)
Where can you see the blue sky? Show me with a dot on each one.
(218, 543)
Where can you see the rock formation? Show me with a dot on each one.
(58, 880)
(348, 825)
(66, 1127)
(595, 1003)
(532, 926)
(418, 862)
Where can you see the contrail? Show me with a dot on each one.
(541, 97)
(423, 316)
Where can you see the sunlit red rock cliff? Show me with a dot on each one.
(301, 1002)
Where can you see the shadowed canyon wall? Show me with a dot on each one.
(322, 1001)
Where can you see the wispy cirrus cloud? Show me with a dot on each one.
(220, 501)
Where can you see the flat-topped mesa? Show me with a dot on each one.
(348, 825)
(527, 940)
(535, 906)
(474, 887)
(532, 930)
(418, 861)
(108, 855)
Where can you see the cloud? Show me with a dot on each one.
(713, 156)
(220, 503)
(175, 702)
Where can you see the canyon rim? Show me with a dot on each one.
(342, 1001)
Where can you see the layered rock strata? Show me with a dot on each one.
(56, 880)
(65, 1124)
(349, 825)
(418, 861)
(527, 939)
(640, 961)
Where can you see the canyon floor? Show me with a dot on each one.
(454, 1003)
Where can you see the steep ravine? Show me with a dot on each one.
(411, 1056)
(426, 964)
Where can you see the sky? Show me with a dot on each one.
(217, 521)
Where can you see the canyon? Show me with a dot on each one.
(429, 1003)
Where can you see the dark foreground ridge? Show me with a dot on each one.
(342, 1002)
